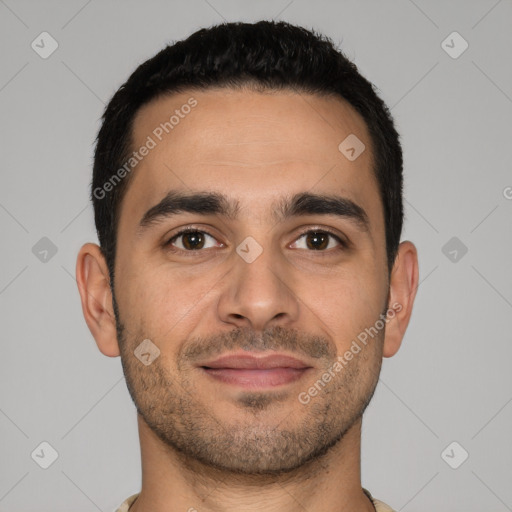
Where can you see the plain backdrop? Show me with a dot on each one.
(451, 382)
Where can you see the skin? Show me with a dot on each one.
(211, 446)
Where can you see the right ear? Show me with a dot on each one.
(93, 282)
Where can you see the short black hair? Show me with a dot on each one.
(265, 56)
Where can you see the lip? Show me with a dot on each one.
(250, 372)
(249, 361)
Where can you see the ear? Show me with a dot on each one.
(93, 284)
(402, 292)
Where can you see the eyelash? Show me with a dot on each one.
(168, 244)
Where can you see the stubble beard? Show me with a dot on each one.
(255, 443)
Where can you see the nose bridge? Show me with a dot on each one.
(256, 293)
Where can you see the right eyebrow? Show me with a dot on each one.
(202, 203)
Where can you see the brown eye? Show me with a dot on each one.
(318, 240)
(191, 240)
(194, 240)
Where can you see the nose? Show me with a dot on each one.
(259, 294)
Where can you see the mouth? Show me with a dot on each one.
(250, 372)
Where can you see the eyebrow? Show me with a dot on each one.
(214, 203)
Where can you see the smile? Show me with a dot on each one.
(252, 370)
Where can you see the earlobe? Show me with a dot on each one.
(402, 292)
(93, 284)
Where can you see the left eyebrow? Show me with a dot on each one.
(214, 203)
(306, 203)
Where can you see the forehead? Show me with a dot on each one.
(250, 145)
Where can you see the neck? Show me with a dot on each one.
(171, 482)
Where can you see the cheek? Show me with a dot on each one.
(168, 301)
(347, 303)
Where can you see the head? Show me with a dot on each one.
(280, 159)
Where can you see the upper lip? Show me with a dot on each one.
(253, 362)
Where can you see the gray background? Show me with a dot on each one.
(451, 380)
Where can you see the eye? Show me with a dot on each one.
(191, 240)
(318, 240)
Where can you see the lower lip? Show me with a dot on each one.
(256, 378)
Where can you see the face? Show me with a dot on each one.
(259, 273)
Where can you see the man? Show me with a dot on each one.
(247, 191)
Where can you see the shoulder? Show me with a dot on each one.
(380, 506)
(124, 507)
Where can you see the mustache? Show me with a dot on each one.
(275, 338)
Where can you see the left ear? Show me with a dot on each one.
(402, 292)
